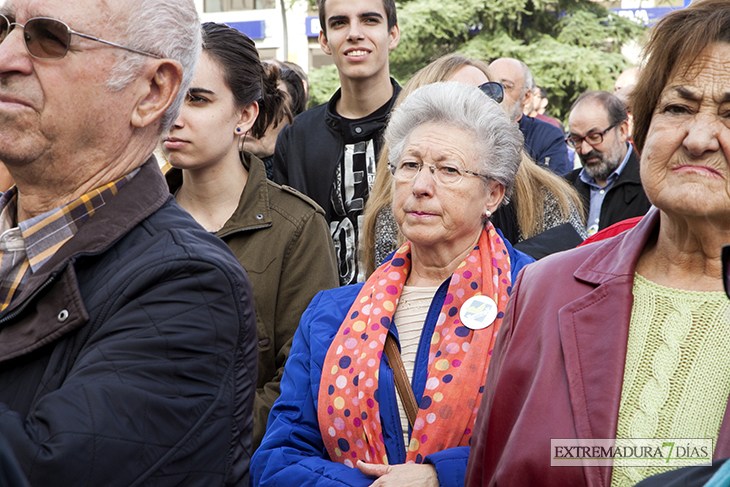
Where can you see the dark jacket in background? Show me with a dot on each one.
(308, 151)
(694, 476)
(555, 239)
(625, 199)
(546, 145)
(129, 358)
(281, 238)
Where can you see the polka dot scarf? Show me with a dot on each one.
(348, 409)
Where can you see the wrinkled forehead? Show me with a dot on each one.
(710, 70)
(440, 141)
(508, 70)
(80, 15)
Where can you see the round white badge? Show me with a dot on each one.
(478, 312)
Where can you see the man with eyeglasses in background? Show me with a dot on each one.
(127, 333)
(609, 180)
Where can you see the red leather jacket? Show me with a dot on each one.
(558, 365)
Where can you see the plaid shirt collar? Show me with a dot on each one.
(28, 245)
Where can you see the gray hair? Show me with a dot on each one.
(168, 28)
(498, 141)
(529, 83)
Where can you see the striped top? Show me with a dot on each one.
(409, 317)
(26, 246)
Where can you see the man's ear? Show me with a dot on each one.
(394, 37)
(159, 84)
(527, 98)
(623, 130)
(324, 43)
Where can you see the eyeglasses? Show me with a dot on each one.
(446, 174)
(493, 90)
(50, 38)
(593, 139)
(726, 269)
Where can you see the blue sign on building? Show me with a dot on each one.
(645, 16)
(255, 29)
(312, 26)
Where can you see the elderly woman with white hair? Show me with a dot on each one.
(384, 378)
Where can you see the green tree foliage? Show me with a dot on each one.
(323, 83)
(570, 45)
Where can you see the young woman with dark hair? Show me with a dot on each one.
(279, 236)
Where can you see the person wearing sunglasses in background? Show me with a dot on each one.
(127, 332)
(541, 200)
(609, 179)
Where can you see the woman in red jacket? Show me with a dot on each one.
(629, 338)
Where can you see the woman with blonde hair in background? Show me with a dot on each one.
(541, 200)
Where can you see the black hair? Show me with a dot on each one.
(297, 69)
(244, 74)
(614, 107)
(297, 99)
(295, 88)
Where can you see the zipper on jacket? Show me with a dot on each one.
(19, 310)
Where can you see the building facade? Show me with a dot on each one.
(281, 29)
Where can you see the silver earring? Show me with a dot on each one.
(488, 214)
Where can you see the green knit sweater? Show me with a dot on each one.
(677, 371)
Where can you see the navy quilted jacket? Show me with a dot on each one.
(130, 356)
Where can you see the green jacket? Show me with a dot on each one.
(282, 241)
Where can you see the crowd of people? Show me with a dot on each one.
(417, 286)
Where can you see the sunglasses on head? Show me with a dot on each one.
(493, 90)
(726, 269)
(50, 38)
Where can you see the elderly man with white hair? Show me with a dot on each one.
(544, 142)
(127, 333)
